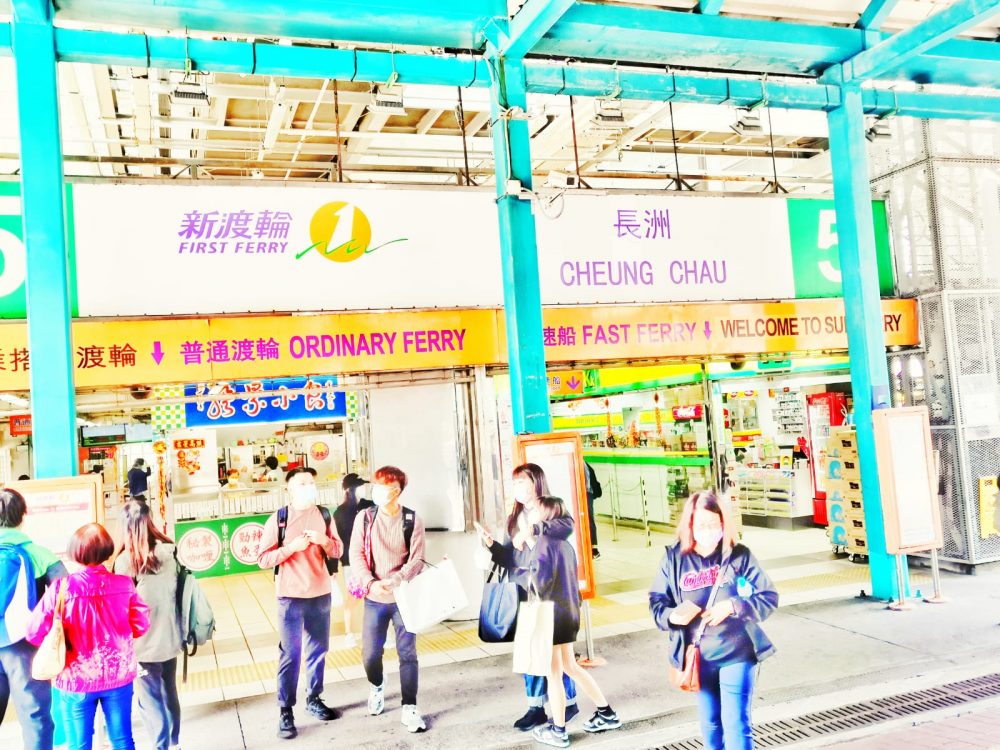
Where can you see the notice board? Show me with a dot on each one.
(908, 480)
(561, 457)
(58, 507)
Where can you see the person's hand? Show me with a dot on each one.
(313, 536)
(299, 544)
(485, 537)
(381, 588)
(719, 613)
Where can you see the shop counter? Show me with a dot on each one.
(776, 498)
(664, 479)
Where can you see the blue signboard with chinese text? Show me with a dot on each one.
(260, 401)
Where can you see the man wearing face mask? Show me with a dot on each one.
(387, 548)
(297, 542)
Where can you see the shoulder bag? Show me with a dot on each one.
(50, 659)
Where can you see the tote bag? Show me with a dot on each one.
(533, 638)
(430, 598)
(50, 659)
(498, 611)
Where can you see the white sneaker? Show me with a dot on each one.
(376, 699)
(412, 720)
(350, 641)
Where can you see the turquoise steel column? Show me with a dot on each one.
(53, 405)
(865, 332)
(522, 299)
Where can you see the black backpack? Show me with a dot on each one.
(409, 521)
(331, 562)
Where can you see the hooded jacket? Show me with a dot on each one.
(103, 615)
(553, 570)
(159, 590)
(683, 576)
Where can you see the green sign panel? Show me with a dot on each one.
(13, 260)
(221, 546)
(813, 228)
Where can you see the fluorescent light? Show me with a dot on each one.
(15, 400)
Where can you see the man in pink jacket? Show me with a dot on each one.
(297, 542)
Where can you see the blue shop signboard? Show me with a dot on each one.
(265, 401)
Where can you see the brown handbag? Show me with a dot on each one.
(688, 678)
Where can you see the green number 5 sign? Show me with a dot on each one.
(815, 257)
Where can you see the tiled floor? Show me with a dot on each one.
(242, 659)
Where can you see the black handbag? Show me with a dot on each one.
(498, 612)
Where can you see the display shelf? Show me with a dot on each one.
(240, 502)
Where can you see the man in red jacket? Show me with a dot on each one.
(297, 542)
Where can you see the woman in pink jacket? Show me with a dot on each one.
(102, 614)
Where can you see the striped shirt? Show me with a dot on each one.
(389, 558)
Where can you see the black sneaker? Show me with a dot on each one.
(596, 553)
(572, 711)
(534, 718)
(320, 710)
(286, 725)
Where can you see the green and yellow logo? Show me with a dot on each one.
(341, 232)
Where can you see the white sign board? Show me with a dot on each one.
(908, 480)
(187, 250)
(58, 507)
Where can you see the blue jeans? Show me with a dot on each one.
(724, 705)
(81, 708)
(373, 635)
(537, 690)
(32, 699)
(295, 616)
(159, 704)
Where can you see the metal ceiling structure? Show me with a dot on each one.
(121, 118)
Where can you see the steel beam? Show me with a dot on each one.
(710, 7)
(518, 248)
(532, 22)
(875, 14)
(442, 23)
(53, 396)
(103, 47)
(863, 307)
(890, 54)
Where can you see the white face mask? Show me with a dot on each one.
(303, 496)
(524, 493)
(707, 538)
(381, 494)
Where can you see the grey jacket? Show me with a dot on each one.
(163, 640)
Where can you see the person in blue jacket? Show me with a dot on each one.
(733, 643)
(513, 554)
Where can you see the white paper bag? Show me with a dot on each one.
(431, 597)
(533, 638)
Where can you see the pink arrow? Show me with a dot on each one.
(157, 352)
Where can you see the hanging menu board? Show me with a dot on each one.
(561, 457)
(58, 507)
(908, 480)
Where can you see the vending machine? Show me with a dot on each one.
(824, 410)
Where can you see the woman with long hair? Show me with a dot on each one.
(147, 556)
(344, 516)
(101, 616)
(513, 554)
(553, 569)
(710, 591)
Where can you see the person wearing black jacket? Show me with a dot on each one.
(733, 643)
(343, 517)
(553, 571)
(513, 554)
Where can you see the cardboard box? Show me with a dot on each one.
(850, 468)
(857, 543)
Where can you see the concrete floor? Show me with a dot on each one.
(829, 654)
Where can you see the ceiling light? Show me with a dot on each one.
(879, 131)
(14, 400)
(189, 94)
(388, 100)
(609, 115)
(748, 122)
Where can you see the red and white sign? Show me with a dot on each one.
(687, 413)
(199, 549)
(245, 543)
(20, 424)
